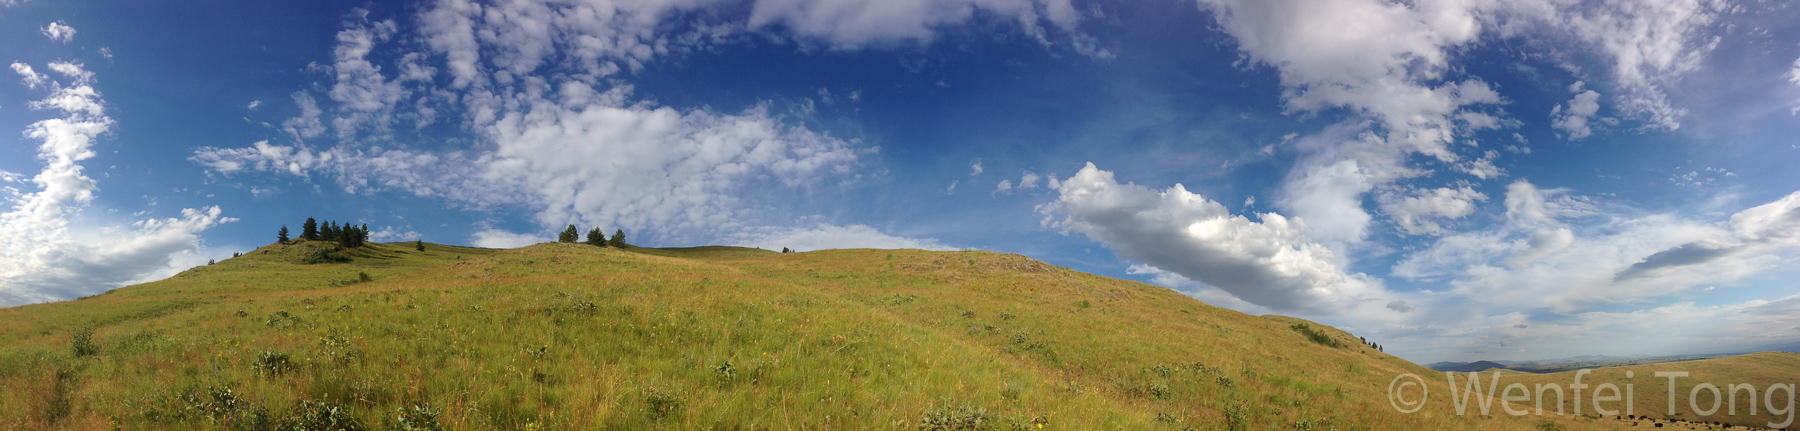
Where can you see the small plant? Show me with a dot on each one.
(537, 352)
(418, 418)
(1006, 316)
(1167, 418)
(661, 404)
(1236, 418)
(1224, 381)
(898, 299)
(726, 372)
(962, 417)
(82, 342)
(363, 277)
(1010, 393)
(1548, 425)
(1084, 304)
(1159, 390)
(968, 314)
(583, 307)
(273, 363)
(1162, 370)
(323, 415)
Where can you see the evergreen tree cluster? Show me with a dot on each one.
(594, 237)
(1372, 344)
(346, 234)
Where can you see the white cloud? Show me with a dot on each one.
(1267, 262)
(58, 31)
(496, 238)
(825, 236)
(391, 234)
(1029, 180)
(1330, 197)
(854, 24)
(1539, 259)
(1794, 77)
(1574, 120)
(41, 257)
(365, 98)
(1005, 186)
(253, 105)
(1651, 43)
(1417, 212)
(28, 76)
(1370, 56)
(975, 167)
(588, 158)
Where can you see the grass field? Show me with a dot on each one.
(568, 336)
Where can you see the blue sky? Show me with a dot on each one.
(1455, 180)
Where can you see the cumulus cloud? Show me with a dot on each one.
(1574, 120)
(40, 258)
(1267, 262)
(58, 31)
(1005, 186)
(825, 236)
(1418, 212)
(975, 167)
(498, 238)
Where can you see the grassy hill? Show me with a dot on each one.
(568, 336)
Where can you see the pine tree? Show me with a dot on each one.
(569, 235)
(420, 244)
(328, 232)
(785, 250)
(594, 237)
(310, 230)
(618, 239)
(282, 237)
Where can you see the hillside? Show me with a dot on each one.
(566, 336)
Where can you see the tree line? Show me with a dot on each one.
(345, 234)
(594, 237)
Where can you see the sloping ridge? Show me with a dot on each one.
(576, 337)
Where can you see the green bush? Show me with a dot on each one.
(82, 342)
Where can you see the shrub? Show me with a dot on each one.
(1317, 337)
(82, 342)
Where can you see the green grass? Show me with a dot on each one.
(569, 336)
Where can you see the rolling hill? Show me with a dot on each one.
(568, 336)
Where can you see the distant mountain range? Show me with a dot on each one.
(1465, 366)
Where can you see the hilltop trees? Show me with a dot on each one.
(618, 239)
(310, 230)
(569, 235)
(346, 235)
(595, 238)
(282, 236)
